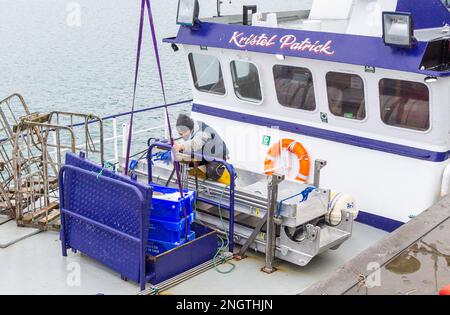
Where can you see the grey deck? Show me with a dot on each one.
(415, 259)
(3, 219)
(247, 279)
(11, 234)
(35, 266)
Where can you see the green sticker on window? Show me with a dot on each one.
(349, 115)
(266, 140)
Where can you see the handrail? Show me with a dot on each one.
(114, 116)
(131, 112)
(230, 169)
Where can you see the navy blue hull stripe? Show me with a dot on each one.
(366, 143)
(381, 223)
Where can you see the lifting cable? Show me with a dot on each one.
(146, 4)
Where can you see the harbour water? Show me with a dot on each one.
(61, 60)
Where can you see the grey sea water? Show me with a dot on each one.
(88, 65)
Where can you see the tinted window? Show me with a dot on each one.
(246, 81)
(346, 95)
(437, 56)
(405, 104)
(207, 73)
(294, 87)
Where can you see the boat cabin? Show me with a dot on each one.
(362, 84)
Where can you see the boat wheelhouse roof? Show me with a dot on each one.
(351, 35)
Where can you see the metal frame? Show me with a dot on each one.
(36, 173)
(274, 181)
(143, 229)
(9, 116)
(164, 270)
(31, 158)
(88, 119)
(299, 251)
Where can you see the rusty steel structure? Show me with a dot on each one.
(11, 109)
(32, 149)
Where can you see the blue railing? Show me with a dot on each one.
(109, 117)
(147, 109)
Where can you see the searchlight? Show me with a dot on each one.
(398, 29)
(188, 11)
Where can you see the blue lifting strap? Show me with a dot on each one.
(305, 194)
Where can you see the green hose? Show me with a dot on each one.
(224, 245)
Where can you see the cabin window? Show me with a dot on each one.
(295, 88)
(346, 95)
(405, 104)
(437, 56)
(246, 81)
(207, 73)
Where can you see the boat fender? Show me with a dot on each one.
(338, 203)
(445, 290)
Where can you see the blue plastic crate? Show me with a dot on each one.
(172, 232)
(169, 210)
(156, 247)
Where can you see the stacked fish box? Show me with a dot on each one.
(170, 219)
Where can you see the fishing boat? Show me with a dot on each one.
(337, 139)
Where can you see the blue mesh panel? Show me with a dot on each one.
(75, 160)
(112, 203)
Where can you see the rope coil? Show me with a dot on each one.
(106, 166)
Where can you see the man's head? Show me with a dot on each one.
(185, 125)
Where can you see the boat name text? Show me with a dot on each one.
(290, 42)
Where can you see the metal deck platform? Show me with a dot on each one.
(35, 266)
(415, 259)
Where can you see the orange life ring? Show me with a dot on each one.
(293, 147)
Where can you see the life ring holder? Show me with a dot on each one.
(294, 147)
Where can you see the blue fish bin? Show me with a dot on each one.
(172, 232)
(168, 206)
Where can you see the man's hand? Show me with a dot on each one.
(178, 147)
